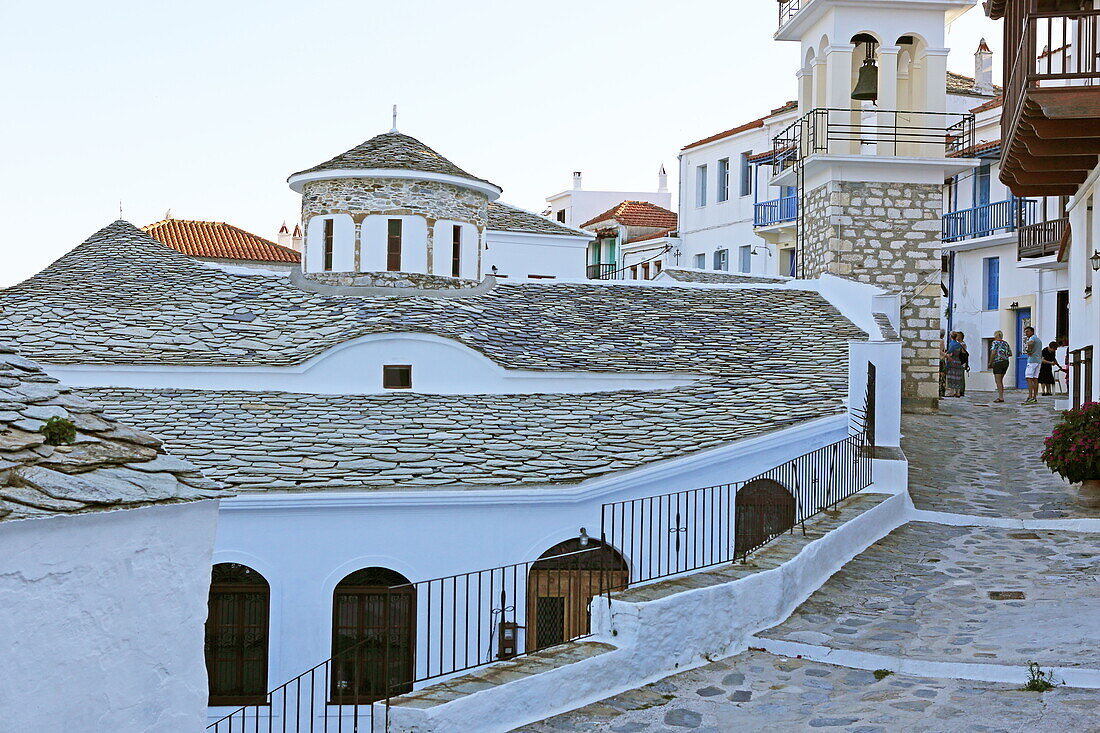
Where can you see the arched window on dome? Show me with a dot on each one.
(373, 636)
(392, 243)
(237, 635)
(330, 244)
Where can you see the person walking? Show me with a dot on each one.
(964, 357)
(1033, 348)
(943, 363)
(952, 354)
(1046, 368)
(1000, 358)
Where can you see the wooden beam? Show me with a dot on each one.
(1036, 146)
(1067, 101)
(1058, 163)
(1066, 128)
(1021, 189)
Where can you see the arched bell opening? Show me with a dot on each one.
(373, 636)
(561, 585)
(763, 509)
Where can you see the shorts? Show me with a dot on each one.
(1032, 371)
(1000, 367)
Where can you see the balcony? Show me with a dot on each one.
(871, 132)
(1042, 238)
(987, 219)
(604, 272)
(788, 8)
(1051, 112)
(776, 211)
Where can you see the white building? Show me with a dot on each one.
(632, 240)
(1050, 116)
(402, 455)
(577, 205)
(105, 548)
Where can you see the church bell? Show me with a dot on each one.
(867, 82)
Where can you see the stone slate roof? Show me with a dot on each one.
(393, 150)
(718, 278)
(507, 218)
(765, 356)
(122, 297)
(218, 240)
(109, 466)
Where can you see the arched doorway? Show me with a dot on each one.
(560, 586)
(237, 635)
(373, 636)
(763, 509)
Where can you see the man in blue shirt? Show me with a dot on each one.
(1033, 347)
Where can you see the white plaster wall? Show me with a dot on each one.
(101, 620)
(582, 205)
(305, 543)
(442, 248)
(519, 255)
(373, 241)
(343, 244)
(439, 366)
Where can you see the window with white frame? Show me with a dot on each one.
(744, 255)
(723, 183)
(701, 185)
(746, 173)
(721, 259)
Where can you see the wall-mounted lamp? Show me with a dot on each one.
(1095, 260)
(494, 270)
(583, 537)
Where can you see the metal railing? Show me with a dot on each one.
(603, 272)
(788, 9)
(987, 219)
(1054, 49)
(1041, 238)
(841, 131)
(776, 211)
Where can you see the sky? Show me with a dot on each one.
(206, 107)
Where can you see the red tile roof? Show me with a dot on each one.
(991, 104)
(637, 214)
(218, 240)
(974, 151)
(742, 128)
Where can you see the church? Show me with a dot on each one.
(438, 435)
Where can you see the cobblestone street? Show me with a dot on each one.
(976, 594)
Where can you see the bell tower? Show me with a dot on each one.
(869, 154)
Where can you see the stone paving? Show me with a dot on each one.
(756, 691)
(977, 457)
(962, 594)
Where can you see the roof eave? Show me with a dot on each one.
(297, 181)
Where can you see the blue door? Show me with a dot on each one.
(981, 201)
(1023, 320)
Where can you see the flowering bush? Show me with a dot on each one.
(1073, 449)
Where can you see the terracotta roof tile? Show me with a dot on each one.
(991, 104)
(975, 151)
(637, 214)
(218, 240)
(742, 128)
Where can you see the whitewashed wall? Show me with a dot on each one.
(520, 255)
(101, 620)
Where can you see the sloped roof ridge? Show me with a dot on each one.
(625, 211)
(234, 243)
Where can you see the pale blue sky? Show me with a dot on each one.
(206, 106)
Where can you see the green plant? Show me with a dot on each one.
(1038, 680)
(881, 674)
(58, 431)
(1073, 449)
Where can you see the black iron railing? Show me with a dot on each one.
(788, 9)
(603, 272)
(842, 131)
(1041, 238)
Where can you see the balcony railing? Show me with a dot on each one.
(788, 9)
(1055, 49)
(776, 211)
(604, 272)
(839, 131)
(1042, 238)
(982, 221)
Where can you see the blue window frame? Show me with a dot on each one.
(701, 185)
(722, 259)
(723, 193)
(744, 255)
(992, 283)
(746, 173)
(701, 261)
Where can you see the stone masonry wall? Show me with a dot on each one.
(362, 197)
(885, 234)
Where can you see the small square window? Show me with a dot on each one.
(397, 376)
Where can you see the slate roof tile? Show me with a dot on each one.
(507, 218)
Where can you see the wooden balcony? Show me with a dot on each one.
(1042, 238)
(1051, 111)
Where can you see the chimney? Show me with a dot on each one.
(983, 69)
(576, 180)
(284, 236)
(296, 239)
(662, 180)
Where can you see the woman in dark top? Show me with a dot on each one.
(1046, 368)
